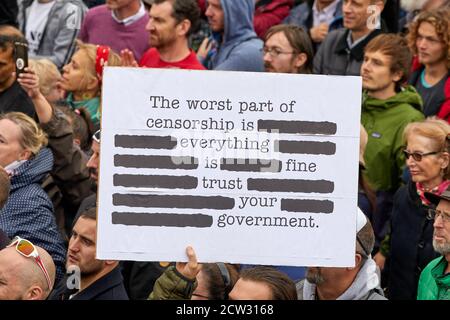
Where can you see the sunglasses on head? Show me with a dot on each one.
(418, 155)
(28, 250)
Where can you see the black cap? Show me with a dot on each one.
(434, 198)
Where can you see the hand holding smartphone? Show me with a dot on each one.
(20, 57)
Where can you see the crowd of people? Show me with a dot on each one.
(50, 114)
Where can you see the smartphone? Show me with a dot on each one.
(20, 56)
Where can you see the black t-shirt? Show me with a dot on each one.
(433, 97)
(8, 12)
(16, 99)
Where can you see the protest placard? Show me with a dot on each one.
(254, 168)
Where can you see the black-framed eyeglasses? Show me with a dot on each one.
(432, 214)
(418, 155)
(275, 52)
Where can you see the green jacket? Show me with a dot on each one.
(172, 285)
(385, 121)
(433, 283)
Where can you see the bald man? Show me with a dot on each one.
(21, 278)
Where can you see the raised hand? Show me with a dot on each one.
(190, 269)
(30, 83)
(128, 59)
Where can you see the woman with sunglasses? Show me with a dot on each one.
(409, 247)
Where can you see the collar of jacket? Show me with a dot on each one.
(438, 272)
(105, 283)
(357, 52)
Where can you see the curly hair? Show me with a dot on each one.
(439, 19)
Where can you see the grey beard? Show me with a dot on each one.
(315, 278)
(412, 5)
(441, 248)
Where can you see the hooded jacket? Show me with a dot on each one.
(434, 284)
(29, 212)
(239, 48)
(385, 121)
(364, 287)
(63, 24)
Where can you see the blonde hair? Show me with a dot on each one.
(47, 73)
(33, 138)
(437, 130)
(91, 53)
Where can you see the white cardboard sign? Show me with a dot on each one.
(255, 168)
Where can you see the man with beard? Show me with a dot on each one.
(287, 49)
(434, 283)
(171, 22)
(89, 278)
(360, 282)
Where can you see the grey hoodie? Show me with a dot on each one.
(61, 30)
(240, 48)
(364, 287)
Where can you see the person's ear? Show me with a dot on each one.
(445, 160)
(300, 60)
(92, 83)
(397, 76)
(183, 27)
(358, 259)
(25, 155)
(380, 5)
(34, 293)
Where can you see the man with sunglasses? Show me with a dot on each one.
(27, 272)
(360, 282)
(434, 283)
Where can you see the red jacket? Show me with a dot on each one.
(270, 14)
(444, 111)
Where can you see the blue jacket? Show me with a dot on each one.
(302, 16)
(239, 47)
(29, 211)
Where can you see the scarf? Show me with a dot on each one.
(438, 190)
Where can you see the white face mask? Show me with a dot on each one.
(13, 166)
(411, 5)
